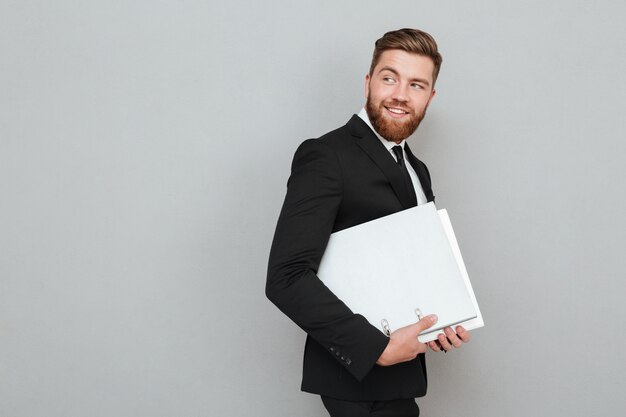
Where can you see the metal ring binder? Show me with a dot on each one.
(386, 328)
(385, 324)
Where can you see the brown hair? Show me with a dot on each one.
(409, 40)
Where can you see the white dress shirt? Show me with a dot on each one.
(419, 192)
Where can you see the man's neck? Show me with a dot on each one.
(388, 144)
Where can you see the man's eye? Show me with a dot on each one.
(388, 79)
(416, 86)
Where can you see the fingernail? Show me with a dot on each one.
(434, 318)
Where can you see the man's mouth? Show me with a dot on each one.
(396, 111)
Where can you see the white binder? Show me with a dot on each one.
(391, 267)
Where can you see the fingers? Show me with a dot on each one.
(404, 344)
(463, 334)
(434, 346)
(452, 337)
(444, 342)
(425, 323)
(449, 339)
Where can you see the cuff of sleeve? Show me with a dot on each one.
(363, 362)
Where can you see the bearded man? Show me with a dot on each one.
(357, 173)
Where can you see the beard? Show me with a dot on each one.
(390, 129)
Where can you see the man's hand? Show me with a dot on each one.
(403, 344)
(445, 342)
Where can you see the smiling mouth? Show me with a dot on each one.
(396, 110)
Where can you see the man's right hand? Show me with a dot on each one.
(403, 345)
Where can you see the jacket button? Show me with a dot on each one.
(332, 349)
(348, 361)
(336, 353)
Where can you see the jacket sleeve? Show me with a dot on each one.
(314, 194)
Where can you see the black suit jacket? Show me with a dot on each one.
(345, 178)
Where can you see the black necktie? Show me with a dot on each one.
(407, 178)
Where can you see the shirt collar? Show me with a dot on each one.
(388, 144)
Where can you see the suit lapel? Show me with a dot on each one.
(382, 158)
(422, 173)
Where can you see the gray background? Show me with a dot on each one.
(145, 148)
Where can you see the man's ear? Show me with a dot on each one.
(367, 85)
(432, 94)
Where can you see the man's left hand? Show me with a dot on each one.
(450, 339)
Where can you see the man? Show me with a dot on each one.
(349, 176)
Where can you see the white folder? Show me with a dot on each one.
(391, 267)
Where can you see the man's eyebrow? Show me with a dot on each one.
(392, 70)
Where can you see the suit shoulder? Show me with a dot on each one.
(333, 140)
(314, 152)
(338, 137)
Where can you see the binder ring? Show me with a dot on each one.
(386, 328)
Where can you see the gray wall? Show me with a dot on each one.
(144, 152)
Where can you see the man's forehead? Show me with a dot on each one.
(405, 63)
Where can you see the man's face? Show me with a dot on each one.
(398, 93)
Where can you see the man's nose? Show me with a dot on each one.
(400, 93)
